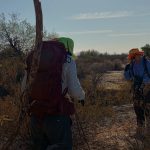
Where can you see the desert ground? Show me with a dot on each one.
(104, 128)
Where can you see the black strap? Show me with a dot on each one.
(65, 92)
(68, 60)
(145, 67)
(132, 72)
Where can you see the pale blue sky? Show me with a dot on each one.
(114, 26)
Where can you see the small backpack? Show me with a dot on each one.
(145, 67)
(46, 96)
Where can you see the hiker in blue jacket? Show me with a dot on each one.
(138, 71)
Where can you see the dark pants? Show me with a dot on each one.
(140, 112)
(142, 109)
(53, 132)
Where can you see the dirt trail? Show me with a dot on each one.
(107, 134)
(112, 133)
(104, 134)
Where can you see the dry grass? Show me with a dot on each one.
(136, 144)
(94, 112)
(98, 116)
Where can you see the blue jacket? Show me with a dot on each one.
(138, 70)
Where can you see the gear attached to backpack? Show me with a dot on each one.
(46, 96)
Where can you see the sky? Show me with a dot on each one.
(112, 26)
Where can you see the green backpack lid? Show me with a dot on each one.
(69, 44)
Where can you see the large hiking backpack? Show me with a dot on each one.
(46, 96)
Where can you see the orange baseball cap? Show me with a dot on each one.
(134, 52)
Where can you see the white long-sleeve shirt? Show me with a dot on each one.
(69, 80)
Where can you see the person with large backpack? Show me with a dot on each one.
(56, 82)
(138, 71)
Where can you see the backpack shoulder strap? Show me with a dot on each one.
(145, 66)
(132, 71)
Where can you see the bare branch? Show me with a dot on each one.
(39, 21)
(38, 41)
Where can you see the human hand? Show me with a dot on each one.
(82, 102)
(127, 67)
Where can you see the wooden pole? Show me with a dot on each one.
(38, 40)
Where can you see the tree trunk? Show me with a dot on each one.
(38, 41)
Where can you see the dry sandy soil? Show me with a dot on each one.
(109, 133)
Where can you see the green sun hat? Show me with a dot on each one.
(68, 43)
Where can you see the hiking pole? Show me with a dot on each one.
(80, 128)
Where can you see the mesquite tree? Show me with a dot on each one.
(34, 67)
(16, 33)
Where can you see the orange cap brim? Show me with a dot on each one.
(132, 56)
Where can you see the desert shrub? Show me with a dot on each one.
(118, 65)
(146, 49)
(93, 55)
(97, 91)
(90, 68)
(135, 144)
(113, 97)
(94, 112)
(91, 86)
(12, 70)
(94, 61)
(97, 68)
